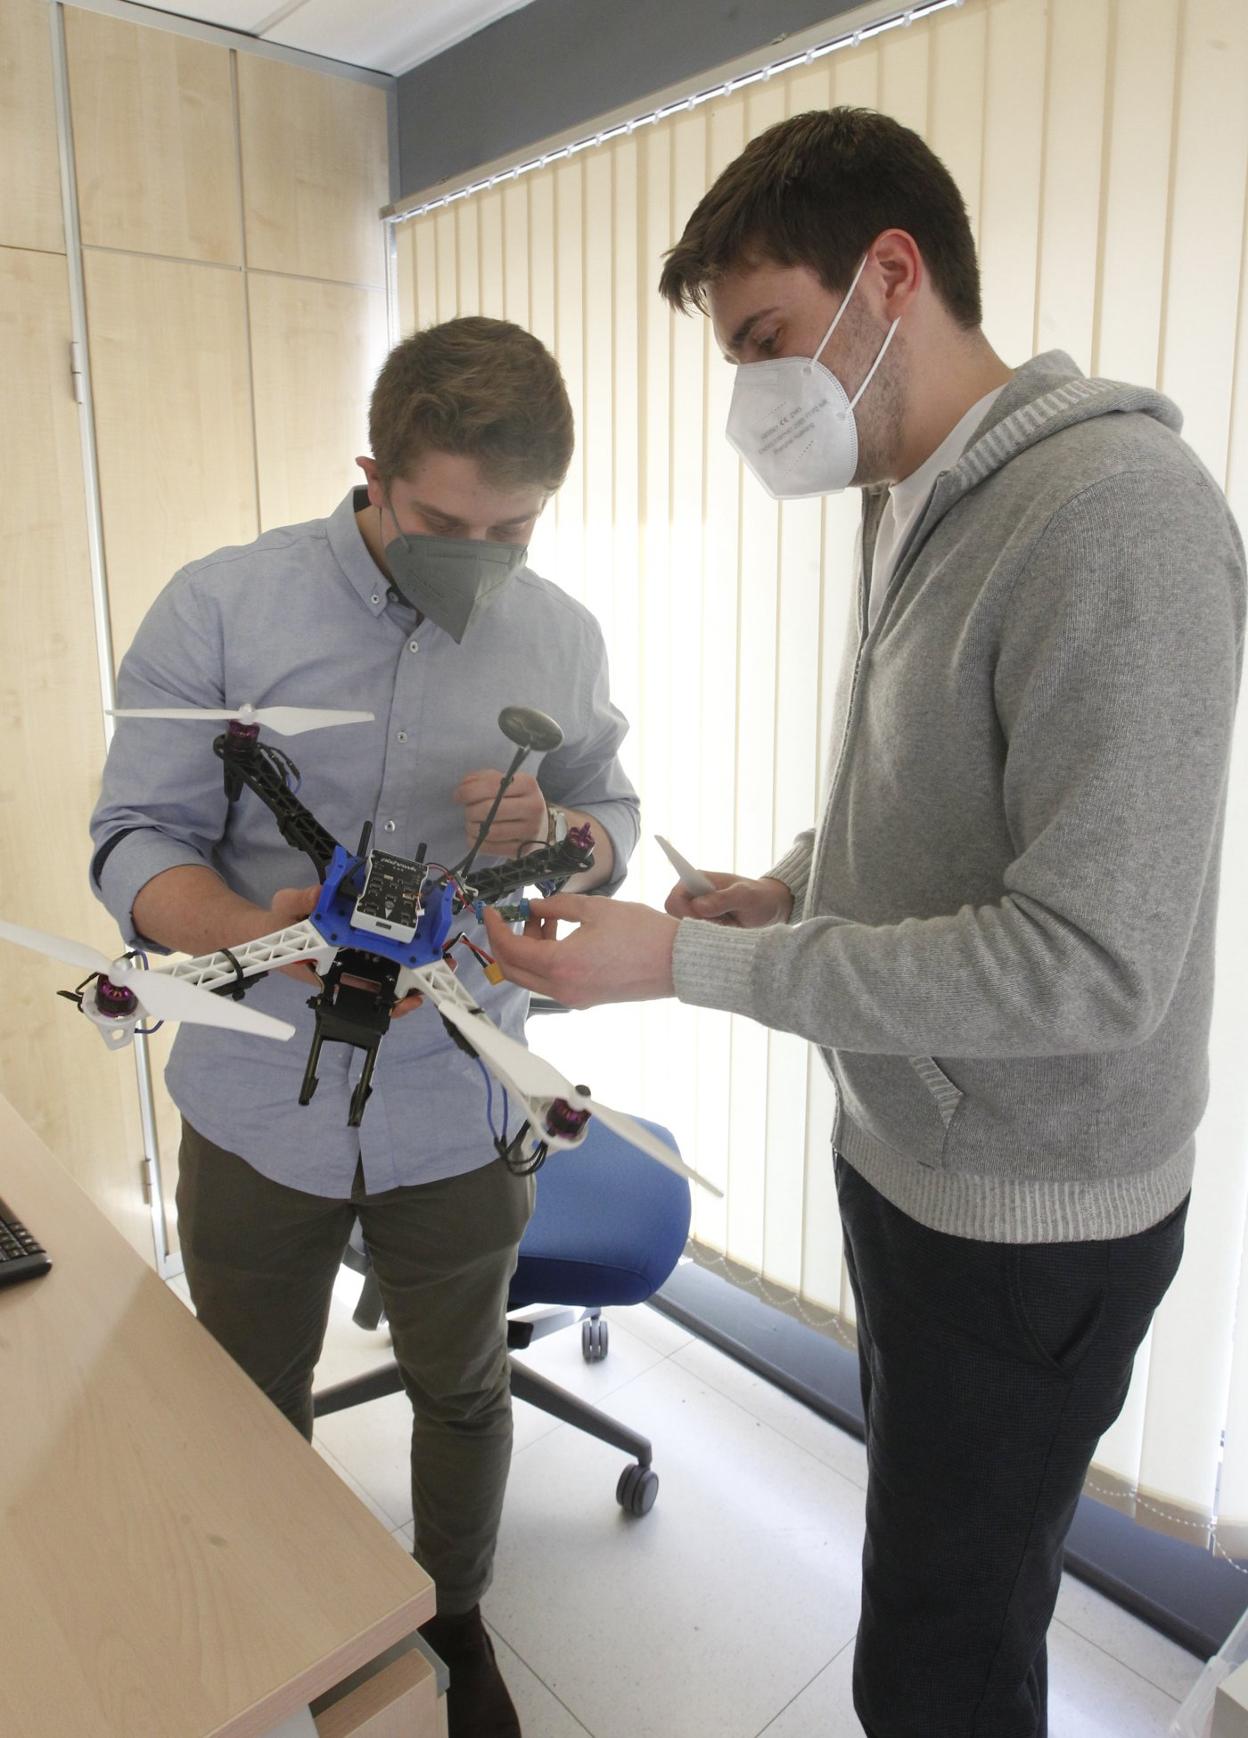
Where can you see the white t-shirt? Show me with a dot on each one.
(907, 499)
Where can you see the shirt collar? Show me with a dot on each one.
(351, 553)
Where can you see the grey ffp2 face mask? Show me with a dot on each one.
(452, 580)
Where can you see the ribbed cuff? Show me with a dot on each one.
(794, 870)
(713, 965)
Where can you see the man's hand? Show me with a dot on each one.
(291, 905)
(742, 904)
(620, 953)
(521, 818)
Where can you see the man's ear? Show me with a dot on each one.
(376, 490)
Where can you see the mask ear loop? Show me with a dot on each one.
(836, 318)
(381, 523)
(871, 371)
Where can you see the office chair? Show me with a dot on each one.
(608, 1227)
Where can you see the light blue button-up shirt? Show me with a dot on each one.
(303, 617)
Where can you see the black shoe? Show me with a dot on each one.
(477, 1703)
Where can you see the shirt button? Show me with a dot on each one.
(376, 597)
(402, 735)
(413, 646)
(388, 827)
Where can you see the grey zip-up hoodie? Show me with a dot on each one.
(1003, 930)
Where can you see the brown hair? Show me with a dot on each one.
(484, 388)
(816, 190)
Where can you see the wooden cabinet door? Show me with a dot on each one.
(78, 1096)
(30, 175)
(315, 168)
(155, 140)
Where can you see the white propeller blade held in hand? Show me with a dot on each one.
(166, 998)
(533, 1077)
(286, 720)
(74, 953)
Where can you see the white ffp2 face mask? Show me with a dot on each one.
(792, 421)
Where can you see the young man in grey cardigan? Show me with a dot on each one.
(1001, 933)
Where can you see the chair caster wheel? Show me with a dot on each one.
(637, 1489)
(595, 1340)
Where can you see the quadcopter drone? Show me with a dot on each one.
(380, 931)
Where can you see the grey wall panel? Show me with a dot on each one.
(557, 63)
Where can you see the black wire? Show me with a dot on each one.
(465, 863)
(512, 1153)
(281, 764)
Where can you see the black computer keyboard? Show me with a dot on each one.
(20, 1256)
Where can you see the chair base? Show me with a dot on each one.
(558, 1403)
(525, 1385)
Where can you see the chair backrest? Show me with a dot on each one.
(609, 1226)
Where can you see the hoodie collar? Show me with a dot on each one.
(1047, 394)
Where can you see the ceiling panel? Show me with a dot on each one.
(385, 35)
(230, 14)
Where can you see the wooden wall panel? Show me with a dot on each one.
(156, 127)
(316, 350)
(30, 176)
(54, 1068)
(173, 421)
(315, 171)
(155, 143)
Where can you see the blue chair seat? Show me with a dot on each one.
(609, 1225)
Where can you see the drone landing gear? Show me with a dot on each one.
(353, 1007)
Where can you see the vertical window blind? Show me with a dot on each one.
(1102, 149)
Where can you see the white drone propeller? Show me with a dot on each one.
(533, 1077)
(286, 720)
(158, 995)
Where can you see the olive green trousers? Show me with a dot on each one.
(261, 1259)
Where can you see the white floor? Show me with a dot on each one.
(728, 1611)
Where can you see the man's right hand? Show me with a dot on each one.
(740, 904)
(292, 905)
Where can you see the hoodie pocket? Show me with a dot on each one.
(947, 1096)
(907, 1103)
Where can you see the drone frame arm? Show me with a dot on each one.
(553, 863)
(238, 751)
(298, 943)
(442, 985)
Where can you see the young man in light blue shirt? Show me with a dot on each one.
(412, 601)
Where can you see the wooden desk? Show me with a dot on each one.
(175, 1561)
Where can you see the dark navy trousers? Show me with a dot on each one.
(989, 1373)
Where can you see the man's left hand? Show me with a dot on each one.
(620, 953)
(521, 818)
